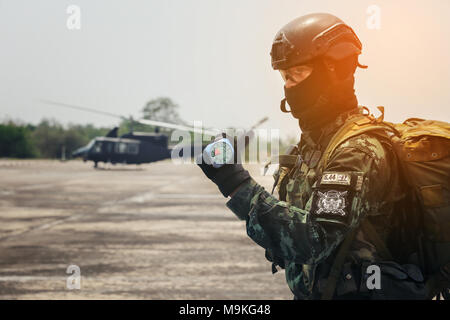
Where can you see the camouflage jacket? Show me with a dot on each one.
(321, 205)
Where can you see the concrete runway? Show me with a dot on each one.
(155, 231)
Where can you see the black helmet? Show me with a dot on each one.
(312, 36)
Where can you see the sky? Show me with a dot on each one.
(209, 56)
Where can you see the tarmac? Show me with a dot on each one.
(154, 231)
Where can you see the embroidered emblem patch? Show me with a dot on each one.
(331, 202)
(336, 178)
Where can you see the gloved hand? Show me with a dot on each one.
(228, 177)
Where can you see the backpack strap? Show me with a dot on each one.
(339, 260)
(336, 268)
(354, 127)
(374, 238)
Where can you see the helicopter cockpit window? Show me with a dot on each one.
(126, 147)
(133, 148)
(97, 147)
(121, 147)
(109, 147)
(90, 144)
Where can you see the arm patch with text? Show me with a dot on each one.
(333, 196)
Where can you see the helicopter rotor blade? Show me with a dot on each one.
(260, 122)
(177, 127)
(72, 106)
(212, 132)
(161, 124)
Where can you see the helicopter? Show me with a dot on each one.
(132, 147)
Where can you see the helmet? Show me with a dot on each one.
(312, 36)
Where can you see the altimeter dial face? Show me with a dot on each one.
(219, 153)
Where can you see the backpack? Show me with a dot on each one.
(423, 150)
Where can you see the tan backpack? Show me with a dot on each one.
(423, 150)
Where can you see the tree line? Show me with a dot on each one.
(48, 139)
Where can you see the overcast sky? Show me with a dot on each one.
(210, 56)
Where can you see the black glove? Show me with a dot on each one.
(228, 177)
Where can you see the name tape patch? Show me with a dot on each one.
(336, 178)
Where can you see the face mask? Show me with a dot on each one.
(315, 101)
(305, 94)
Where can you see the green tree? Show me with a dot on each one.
(159, 109)
(15, 141)
(48, 138)
(162, 109)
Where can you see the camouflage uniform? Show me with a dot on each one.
(322, 205)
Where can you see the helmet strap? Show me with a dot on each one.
(283, 106)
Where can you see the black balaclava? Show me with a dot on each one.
(318, 100)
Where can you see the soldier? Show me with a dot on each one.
(338, 208)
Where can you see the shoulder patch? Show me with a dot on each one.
(332, 206)
(331, 202)
(333, 199)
